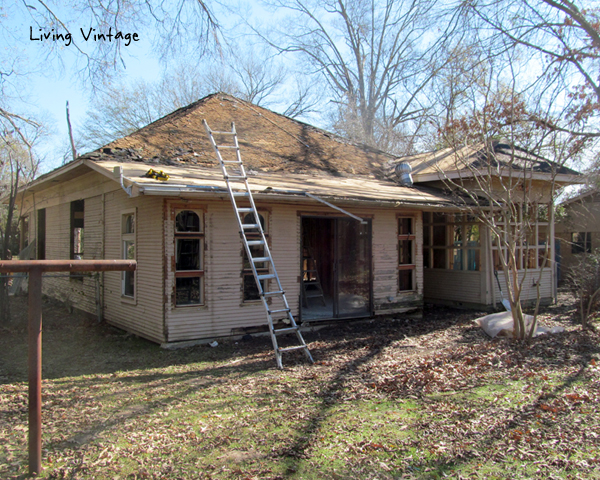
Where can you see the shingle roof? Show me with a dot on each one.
(270, 142)
(502, 156)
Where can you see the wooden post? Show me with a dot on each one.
(35, 268)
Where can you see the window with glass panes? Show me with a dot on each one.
(189, 258)
(128, 252)
(406, 253)
(528, 230)
(451, 241)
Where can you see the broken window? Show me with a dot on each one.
(406, 253)
(41, 234)
(77, 217)
(249, 288)
(128, 253)
(189, 258)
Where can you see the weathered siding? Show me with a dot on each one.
(224, 311)
(72, 289)
(529, 279)
(142, 315)
(455, 286)
(386, 297)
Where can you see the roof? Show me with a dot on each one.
(202, 180)
(282, 156)
(270, 142)
(506, 160)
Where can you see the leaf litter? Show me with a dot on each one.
(387, 398)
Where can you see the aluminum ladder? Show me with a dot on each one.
(273, 299)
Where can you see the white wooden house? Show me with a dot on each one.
(192, 282)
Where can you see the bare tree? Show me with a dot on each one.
(561, 43)
(505, 168)
(374, 56)
(17, 166)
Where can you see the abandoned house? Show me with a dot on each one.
(578, 229)
(349, 239)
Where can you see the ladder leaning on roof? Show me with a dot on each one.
(268, 295)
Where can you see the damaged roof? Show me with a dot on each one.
(269, 142)
(504, 158)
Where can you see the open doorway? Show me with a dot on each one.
(336, 268)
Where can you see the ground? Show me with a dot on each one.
(387, 399)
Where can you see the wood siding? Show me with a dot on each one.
(453, 286)
(143, 315)
(224, 312)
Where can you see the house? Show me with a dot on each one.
(348, 239)
(578, 228)
(461, 257)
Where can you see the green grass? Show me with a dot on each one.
(370, 408)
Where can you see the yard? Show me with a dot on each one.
(392, 398)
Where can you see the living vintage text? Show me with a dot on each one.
(87, 36)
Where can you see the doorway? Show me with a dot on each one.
(336, 268)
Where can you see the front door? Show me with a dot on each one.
(336, 268)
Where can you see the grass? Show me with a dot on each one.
(390, 399)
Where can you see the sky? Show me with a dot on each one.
(47, 85)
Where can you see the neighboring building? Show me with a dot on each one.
(192, 281)
(578, 229)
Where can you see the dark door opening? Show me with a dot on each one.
(336, 268)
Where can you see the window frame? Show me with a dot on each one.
(579, 246)
(449, 223)
(407, 237)
(125, 238)
(532, 245)
(201, 272)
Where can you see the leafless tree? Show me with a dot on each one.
(561, 42)
(375, 58)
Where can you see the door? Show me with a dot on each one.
(336, 268)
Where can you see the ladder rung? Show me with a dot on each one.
(239, 162)
(274, 293)
(271, 312)
(236, 177)
(295, 347)
(261, 259)
(227, 146)
(222, 133)
(245, 210)
(250, 226)
(241, 194)
(253, 243)
(280, 331)
(268, 276)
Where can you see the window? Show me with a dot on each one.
(77, 238)
(581, 242)
(406, 253)
(128, 252)
(41, 234)
(249, 287)
(528, 230)
(189, 258)
(451, 241)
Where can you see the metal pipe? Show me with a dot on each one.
(67, 265)
(35, 371)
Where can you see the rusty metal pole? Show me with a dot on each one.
(35, 371)
(35, 268)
